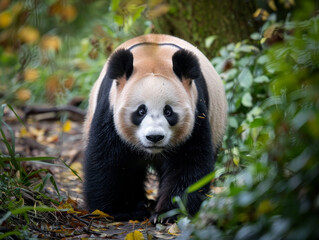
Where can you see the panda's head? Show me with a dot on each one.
(153, 100)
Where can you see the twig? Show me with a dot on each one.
(80, 219)
(77, 113)
(90, 215)
(89, 226)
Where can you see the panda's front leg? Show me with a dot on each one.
(114, 176)
(184, 166)
(178, 173)
(116, 190)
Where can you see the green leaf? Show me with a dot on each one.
(233, 122)
(223, 52)
(25, 159)
(7, 234)
(245, 78)
(17, 116)
(231, 73)
(119, 20)
(73, 171)
(25, 209)
(180, 204)
(201, 183)
(261, 79)
(262, 59)
(115, 5)
(248, 48)
(247, 100)
(255, 36)
(210, 40)
(258, 122)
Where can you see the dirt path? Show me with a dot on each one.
(63, 140)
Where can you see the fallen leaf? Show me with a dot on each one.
(24, 132)
(67, 126)
(52, 139)
(174, 230)
(133, 221)
(136, 235)
(101, 214)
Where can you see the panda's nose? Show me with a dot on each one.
(154, 138)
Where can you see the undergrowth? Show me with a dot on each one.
(23, 201)
(269, 164)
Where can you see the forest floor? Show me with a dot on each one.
(43, 136)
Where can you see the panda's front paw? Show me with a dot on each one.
(158, 218)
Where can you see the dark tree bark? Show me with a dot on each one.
(195, 20)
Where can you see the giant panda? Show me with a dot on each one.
(157, 102)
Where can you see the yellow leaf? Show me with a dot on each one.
(261, 13)
(50, 42)
(52, 139)
(24, 132)
(136, 235)
(236, 158)
(272, 5)
(23, 94)
(69, 82)
(174, 230)
(52, 86)
(72, 211)
(30, 75)
(264, 207)
(29, 34)
(101, 214)
(133, 221)
(288, 3)
(263, 40)
(67, 126)
(5, 19)
(69, 13)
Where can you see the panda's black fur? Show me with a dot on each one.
(115, 172)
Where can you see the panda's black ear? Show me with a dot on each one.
(186, 65)
(120, 64)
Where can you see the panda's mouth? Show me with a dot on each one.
(153, 149)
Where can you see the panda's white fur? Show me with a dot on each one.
(149, 64)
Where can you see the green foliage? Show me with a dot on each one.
(21, 192)
(276, 134)
(50, 52)
(242, 68)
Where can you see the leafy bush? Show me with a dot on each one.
(276, 137)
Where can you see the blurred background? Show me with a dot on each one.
(267, 53)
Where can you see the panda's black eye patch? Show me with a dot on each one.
(138, 116)
(170, 115)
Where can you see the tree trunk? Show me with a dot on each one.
(194, 21)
